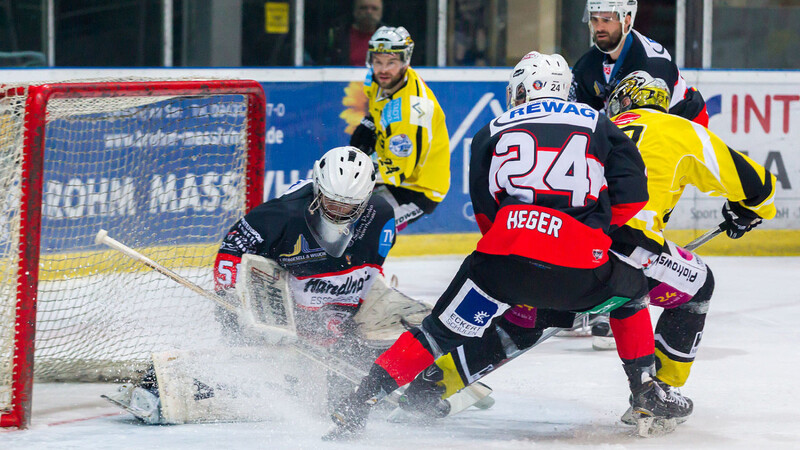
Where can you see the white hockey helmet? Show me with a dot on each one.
(621, 8)
(538, 76)
(391, 40)
(343, 181)
(638, 90)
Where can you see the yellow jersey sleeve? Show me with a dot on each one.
(413, 146)
(677, 153)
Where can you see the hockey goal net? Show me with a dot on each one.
(166, 167)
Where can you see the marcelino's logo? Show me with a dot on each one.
(351, 285)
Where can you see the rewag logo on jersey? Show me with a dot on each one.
(553, 106)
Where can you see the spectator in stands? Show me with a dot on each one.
(346, 42)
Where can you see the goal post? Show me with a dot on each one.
(166, 165)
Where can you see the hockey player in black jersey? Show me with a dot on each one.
(619, 50)
(332, 236)
(330, 233)
(549, 179)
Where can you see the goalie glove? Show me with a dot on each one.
(738, 219)
(364, 137)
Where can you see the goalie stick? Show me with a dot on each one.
(259, 293)
(102, 237)
(275, 332)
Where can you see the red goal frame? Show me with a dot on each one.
(35, 121)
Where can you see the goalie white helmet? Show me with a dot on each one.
(343, 181)
(622, 9)
(538, 76)
(391, 40)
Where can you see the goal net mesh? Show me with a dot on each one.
(165, 175)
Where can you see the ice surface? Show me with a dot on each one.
(560, 395)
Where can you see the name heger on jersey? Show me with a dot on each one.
(534, 220)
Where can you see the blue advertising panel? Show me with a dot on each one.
(165, 172)
(305, 119)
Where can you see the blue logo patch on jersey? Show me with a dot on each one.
(368, 79)
(476, 309)
(470, 312)
(401, 145)
(387, 238)
(392, 112)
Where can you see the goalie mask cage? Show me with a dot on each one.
(166, 167)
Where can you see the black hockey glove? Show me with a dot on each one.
(738, 220)
(363, 137)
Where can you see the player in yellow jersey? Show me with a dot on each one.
(405, 128)
(677, 153)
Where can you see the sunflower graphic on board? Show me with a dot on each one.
(356, 102)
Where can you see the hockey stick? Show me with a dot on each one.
(102, 237)
(342, 368)
(275, 333)
(705, 237)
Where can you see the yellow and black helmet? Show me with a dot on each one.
(639, 90)
(391, 40)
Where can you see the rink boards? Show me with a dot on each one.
(312, 110)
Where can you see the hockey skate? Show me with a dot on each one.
(656, 408)
(142, 403)
(349, 418)
(423, 397)
(580, 327)
(424, 394)
(602, 336)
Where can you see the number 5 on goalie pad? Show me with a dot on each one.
(267, 304)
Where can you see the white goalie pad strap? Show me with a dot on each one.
(236, 384)
(379, 316)
(267, 304)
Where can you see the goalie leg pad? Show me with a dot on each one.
(233, 384)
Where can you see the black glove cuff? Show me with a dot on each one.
(741, 211)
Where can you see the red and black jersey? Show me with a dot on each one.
(595, 76)
(548, 181)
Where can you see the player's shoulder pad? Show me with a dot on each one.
(383, 210)
(651, 48)
(289, 204)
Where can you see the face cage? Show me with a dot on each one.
(333, 217)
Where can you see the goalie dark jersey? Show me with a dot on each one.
(326, 290)
(595, 76)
